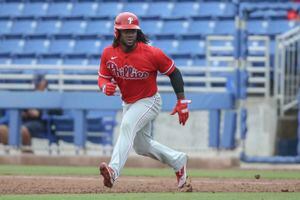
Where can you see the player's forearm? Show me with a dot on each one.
(177, 83)
(102, 81)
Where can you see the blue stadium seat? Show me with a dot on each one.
(99, 128)
(90, 46)
(102, 122)
(257, 26)
(225, 27)
(94, 61)
(151, 27)
(192, 47)
(268, 13)
(86, 9)
(60, 9)
(49, 61)
(280, 26)
(138, 8)
(185, 9)
(23, 27)
(36, 46)
(175, 27)
(275, 12)
(62, 127)
(61, 46)
(217, 63)
(5, 26)
(75, 61)
(42, 61)
(11, 46)
(160, 9)
(104, 44)
(199, 62)
(109, 9)
(5, 60)
(216, 9)
(202, 27)
(48, 27)
(183, 62)
(167, 46)
(24, 61)
(221, 43)
(11, 9)
(73, 27)
(35, 9)
(102, 27)
(94, 113)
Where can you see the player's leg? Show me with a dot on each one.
(135, 117)
(145, 145)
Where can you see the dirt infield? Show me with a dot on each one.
(92, 184)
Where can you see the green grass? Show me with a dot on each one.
(165, 172)
(161, 196)
(92, 171)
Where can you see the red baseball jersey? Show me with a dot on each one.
(135, 72)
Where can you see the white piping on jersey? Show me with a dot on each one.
(101, 75)
(169, 67)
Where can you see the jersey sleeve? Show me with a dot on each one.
(103, 71)
(165, 65)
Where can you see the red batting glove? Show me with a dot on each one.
(182, 109)
(109, 89)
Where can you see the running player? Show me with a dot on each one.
(132, 65)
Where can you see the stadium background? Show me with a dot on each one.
(240, 64)
(222, 47)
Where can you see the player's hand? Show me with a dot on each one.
(109, 89)
(182, 109)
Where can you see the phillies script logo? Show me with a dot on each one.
(126, 72)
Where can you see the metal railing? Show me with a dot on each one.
(220, 49)
(287, 70)
(84, 78)
(258, 65)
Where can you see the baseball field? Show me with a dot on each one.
(52, 182)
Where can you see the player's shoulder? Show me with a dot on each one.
(149, 48)
(108, 49)
(146, 46)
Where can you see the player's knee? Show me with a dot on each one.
(126, 125)
(140, 150)
(140, 147)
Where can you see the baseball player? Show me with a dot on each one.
(132, 65)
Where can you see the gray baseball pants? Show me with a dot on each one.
(135, 131)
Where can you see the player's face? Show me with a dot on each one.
(128, 37)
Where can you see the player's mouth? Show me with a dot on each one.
(130, 41)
